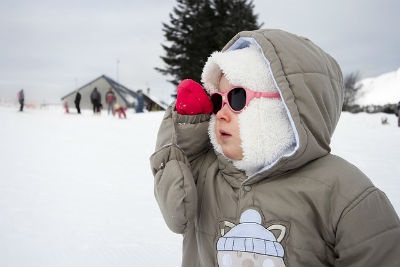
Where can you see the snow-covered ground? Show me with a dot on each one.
(78, 190)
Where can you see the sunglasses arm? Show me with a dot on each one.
(263, 94)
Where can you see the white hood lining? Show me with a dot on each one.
(245, 42)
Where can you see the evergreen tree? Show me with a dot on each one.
(199, 27)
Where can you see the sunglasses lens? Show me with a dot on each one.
(216, 99)
(237, 99)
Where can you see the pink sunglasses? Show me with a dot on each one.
(237, 98)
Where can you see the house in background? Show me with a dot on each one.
(138, 100)
(152, 103)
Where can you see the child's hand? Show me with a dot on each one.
(192, 99)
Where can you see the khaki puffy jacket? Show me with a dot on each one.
(315, 208)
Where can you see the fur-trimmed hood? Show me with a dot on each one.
(308, 204)
(311, 86)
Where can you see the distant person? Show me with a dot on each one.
(149, 106)
(384, 120)
(66, 107)
(21, 99)
(120, 110)
(140, 102)
(77, 102)
(398, 114)
(95, 98)
(110, 100)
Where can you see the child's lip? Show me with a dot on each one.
(224, 133)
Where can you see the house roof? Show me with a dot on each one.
(129, 96)
(151, 98)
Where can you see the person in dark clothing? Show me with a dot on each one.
(77, 102)
(21, 99)
(95, 97)
(140, 102)
(398, 114)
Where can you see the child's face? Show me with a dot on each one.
(227, 127)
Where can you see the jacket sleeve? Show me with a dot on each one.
(182, 143)
(368, 233)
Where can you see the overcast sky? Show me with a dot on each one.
(51, 47)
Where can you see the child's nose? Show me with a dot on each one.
(224, 112)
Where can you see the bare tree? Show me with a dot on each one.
(350, 90)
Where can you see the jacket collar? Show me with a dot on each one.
(230, 173)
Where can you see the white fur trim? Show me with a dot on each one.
(213, 137)
(243, 67)
(266, 134)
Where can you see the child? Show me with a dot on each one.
(120, 110)
(66, 107)
(254, 183)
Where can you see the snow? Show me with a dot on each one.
(381, 90)
(77, 190)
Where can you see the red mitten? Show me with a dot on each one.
(192, 99)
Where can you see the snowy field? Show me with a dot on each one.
(78, 190)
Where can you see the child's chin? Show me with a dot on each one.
(232, 155)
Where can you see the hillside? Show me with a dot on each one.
(381, 90)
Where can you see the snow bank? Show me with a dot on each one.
(384, 89)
